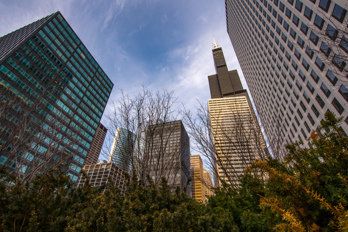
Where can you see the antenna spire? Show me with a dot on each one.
(214, 44)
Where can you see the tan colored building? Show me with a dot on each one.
(198, 187)
(96, 146)
(208, 191)
(237, 136)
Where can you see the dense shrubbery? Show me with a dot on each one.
(307, 191)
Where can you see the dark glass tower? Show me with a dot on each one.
(53, 94)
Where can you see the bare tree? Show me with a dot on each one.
(161, 148)
(228, 137)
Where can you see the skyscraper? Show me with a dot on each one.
(122, 149)
(197, 187)
(293, 54)
(237, 137)
(208, 184)
(54, 94)
(96, 146)
(167, 154)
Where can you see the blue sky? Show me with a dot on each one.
(163, 44)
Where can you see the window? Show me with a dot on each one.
(281, 6)
(344, 44)
(313, 37)
(325, 49)
(276, 41)
(300, 41)
(337, 106)
(295, 20)
(344, 92)
(325, 4)
(315, 111)
(280, 19)
(309, 52)
(315, 76)
(319, 22)
(325, 89)
(311, 119)
(310, 87)
(294, 65)
(339, 62)
(286, 26)
(303, 77)
(332, 77)
(293, 102)
(308, 13)
(290, 45)
(305, 64)
(287, 55)
(298, 5)
(303, 107)
(305, 95)
(331, 32)
(292, 75)
(319, 63)
(304, 28)
(282, 47)
(339, 13)
(296, 94)
(292, 33)
(297, 54)
(291, 2)
(298, 84)
(278, 30)
(320, 101)
(307, 127)
(276, 2)
(288, 13)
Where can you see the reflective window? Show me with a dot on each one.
(344, 43)
(315, 111)
(295, 20)
(339, 13)
(314, 38)
(304, 28)
(290, 45)
(325, 4)
(325, 49)
(288, 13)
(303, 77)
(320, 101)
(331, 32)
(338, 60)
(300, 41)
(309, 52)
(305, 64)
(319, 63)
(310, 87)
(292, 33)
(291, 2)
(315, 76)
(331, 76)
(305, 95)
(308, 12)
(344, 92)
(319, 22)
(337, 106)
(325, 89)
(294, 65)
(297, 54)
(298, 5)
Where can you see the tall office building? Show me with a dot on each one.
(293, 54)
(167, 154)
(96, 145)
(58, 94)
(237, 136)
(122, 149)
(197, 177)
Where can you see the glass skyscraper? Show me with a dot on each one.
(59, 90)
(122, 149)
(293, 54)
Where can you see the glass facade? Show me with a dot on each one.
(319, 46)
(52, 71)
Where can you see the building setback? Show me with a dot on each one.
(238, 140)
(96, 146)
(58, 94)
(293, 54)
(100, 175)
(122, 149)
(167, 154)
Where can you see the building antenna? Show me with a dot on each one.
(214, 44)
